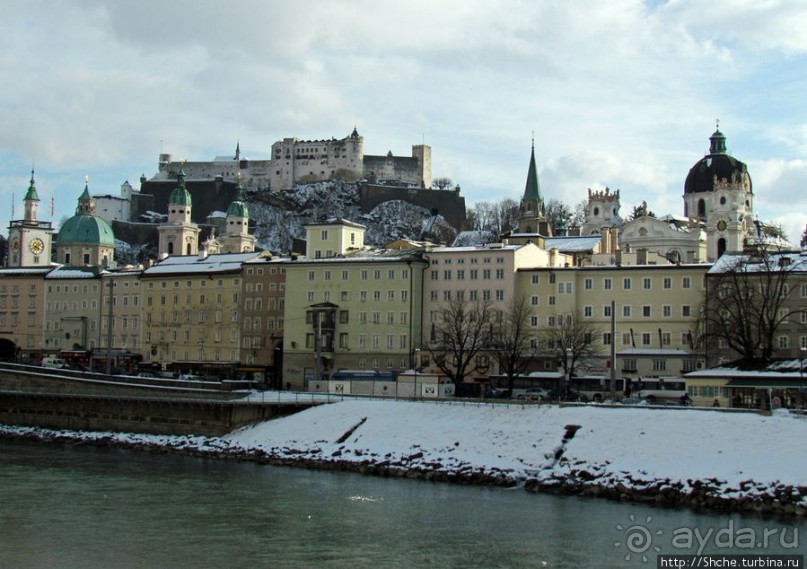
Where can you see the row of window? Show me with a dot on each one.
(627, 283)
(473, 274)
(472, 260)
(214, 336)
(627, 310)
(344, 296)
(364, 274)
(188, 299)
(189, 284)
(365, 341)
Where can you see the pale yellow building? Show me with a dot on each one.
(361, 311)
(654, 308)
(192, 313)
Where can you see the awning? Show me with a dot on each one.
(767, 383)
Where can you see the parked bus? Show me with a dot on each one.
(598, 388)
(660, 389)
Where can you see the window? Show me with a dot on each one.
(686, 282)
(588, 311)
(666, 338)
(626, 283)
(536, 279)
(646, 311)
(311, 275)
(377, 274)
(647, 283)
(606, 338)
(606, 284)
(686, 311)
(404, 295)
(659, 365)
(499, 273)
(460, 275)
(667, 283)
(534, 321)
(499, 295)
(363, 274)
(363, 295)
(344, 316)
(626, 339)
(606, 311)
(486, 274)
(629, 365)
(783, 342)
(626, 311)
(588, 284)
(646, 338)
(435, 275)
(446, 295)
(666, 311)
(534, 300)
(327, 275)
(485, 295)
(474, 274)
(447, 275)
(551, 301)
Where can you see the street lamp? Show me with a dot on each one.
(801, 377)
(415, 358)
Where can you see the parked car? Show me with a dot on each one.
(58, 363)
(534, 394)
(190, 376)
(568, 395)
(147, 374)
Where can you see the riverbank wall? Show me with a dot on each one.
(560, 464)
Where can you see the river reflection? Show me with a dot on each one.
(82, 507)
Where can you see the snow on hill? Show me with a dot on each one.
(675, 444)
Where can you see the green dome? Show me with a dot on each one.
(86, 229)
(31, 194)
(238, 209)
(180, 195)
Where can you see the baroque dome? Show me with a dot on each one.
(88, 229)
(716, 166)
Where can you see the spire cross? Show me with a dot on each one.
(717, 124)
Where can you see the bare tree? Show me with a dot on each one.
(506, 216)
(510, 340)
(570, 340)
(748, 297)
(442, 183)
(460, 333)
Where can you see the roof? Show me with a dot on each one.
(88, 229)
(337, 221)
(793, 261)
(73, 273)
(717, 165)
(572, 244)
(195, 264)
(532, 189)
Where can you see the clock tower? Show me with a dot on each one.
(29, 240)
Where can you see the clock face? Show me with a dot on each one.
(37, 246)
(721, 225)
(15, 245)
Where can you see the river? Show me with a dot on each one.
(83, 507)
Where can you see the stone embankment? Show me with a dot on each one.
(561, 477)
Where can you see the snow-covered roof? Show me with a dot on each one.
(22, 271)
(473, 238)
(491, 247)
(188, 264)
(572, 244)
(793, 260)
(72, 273)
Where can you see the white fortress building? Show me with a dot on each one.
(295, 161)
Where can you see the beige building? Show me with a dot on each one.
(22, 313)
(120, 326)
(655, 310)
(73, 300)
(262, 330)
(361, 311)
(192, 313)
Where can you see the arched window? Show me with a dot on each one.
(170, 248)
(188, 251)
(702, 209)
(721, 247)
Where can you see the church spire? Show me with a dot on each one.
(532, 200)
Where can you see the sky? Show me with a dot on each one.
(621, 94)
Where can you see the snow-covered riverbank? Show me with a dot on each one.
(701, 458)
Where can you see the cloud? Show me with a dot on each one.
(620, 94)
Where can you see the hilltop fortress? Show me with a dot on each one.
(294, 161)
